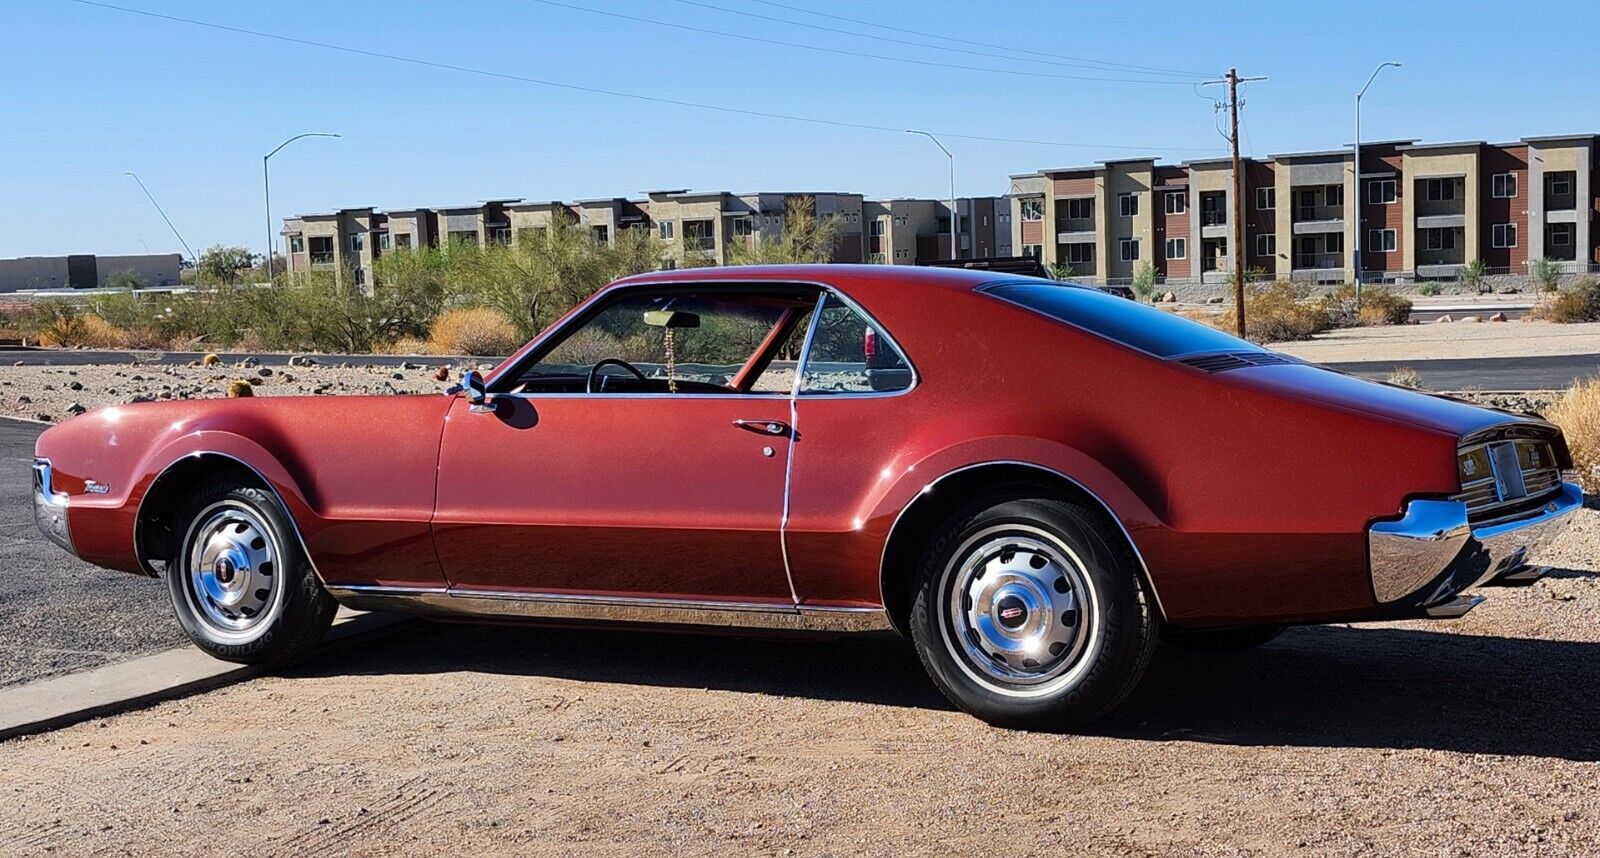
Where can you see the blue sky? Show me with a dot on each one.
(91, 92)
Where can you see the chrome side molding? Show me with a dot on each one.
(492, 604)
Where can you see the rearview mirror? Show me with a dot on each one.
(671, 319)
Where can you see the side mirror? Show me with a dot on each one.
(477, 394)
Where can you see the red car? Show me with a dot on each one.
(1033, 481)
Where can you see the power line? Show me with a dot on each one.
(1009, 55)
(591, 90)
(1012, 48)
(848, 53)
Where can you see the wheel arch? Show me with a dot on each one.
(945, 494)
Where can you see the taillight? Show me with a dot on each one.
(870, 344)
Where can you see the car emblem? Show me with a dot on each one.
(95, 488)
(1470, 467)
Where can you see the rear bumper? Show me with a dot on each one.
(50, 506)
(1424, 559)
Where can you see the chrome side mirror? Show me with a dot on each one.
(477, 394)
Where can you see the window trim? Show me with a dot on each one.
(1128, 204)
(1183, 245)
(1504, 230)
(1271, 252)
(1568, 183)
(1505, 182)
(1376, 189)
(1555, 229)
(1183, 202)
(532, 351)
(1122, 249)
(1261, 194)
(1381, 246)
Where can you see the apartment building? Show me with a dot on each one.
(86, 271)
(695, 227)
(1426, 212)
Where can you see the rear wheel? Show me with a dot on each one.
(240, 584)
(1221, 640)
(1032, 613)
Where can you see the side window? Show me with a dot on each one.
(849, 355)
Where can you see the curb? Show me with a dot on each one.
(61, 701)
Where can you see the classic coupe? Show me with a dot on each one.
(1034, 482)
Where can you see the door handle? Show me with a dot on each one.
(763, 427)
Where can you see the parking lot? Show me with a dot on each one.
(1424, 738)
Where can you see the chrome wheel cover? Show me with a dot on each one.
(1021, 617)
(232, 571)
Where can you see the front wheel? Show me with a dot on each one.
(240, 584)
(1032, 613)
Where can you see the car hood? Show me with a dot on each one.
(1330, 388)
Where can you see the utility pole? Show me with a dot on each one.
(1237, 215)
(1361, 200)
(953, 251)
(266, 191)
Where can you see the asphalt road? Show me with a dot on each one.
(57, 613)
(1499, 373)
(1555, 372)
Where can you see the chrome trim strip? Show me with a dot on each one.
(794, 440)
(479, 604)
(50, 506)
(138, 516)
(883, 567)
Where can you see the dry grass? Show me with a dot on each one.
(1578, 415)
(1278, 311)
(1405, 376)
(1579, 302)
(473, 331)
(1378, 306)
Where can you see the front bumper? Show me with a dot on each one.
(1423, 560)
(50, 506)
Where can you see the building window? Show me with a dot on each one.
(1080, 208)
(1128, 205)
(1031, 251)
(296, 244)
(664, 229)
(876, 228)
(1380, 240)
(1334, 243)
(1504, 185)
(1177, 248)
(357, 242)
(1266, 199)
(322, 250)
(1266, 245)
(361, 276)
(383, 240)
(1504, 235)
(1080, 254)
(1177, 202)
(1333, 195)
(1033, 209)
(1381, 192)
(1561, 235)
(1441, 189)
(403, 241)
(601, 233)
(699, 235)
(742, 227)
(1560, 186)
(1129, 248)
(500, 235)
(1439, 239)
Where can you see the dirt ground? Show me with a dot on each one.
(1455, 339)
(1474, 737)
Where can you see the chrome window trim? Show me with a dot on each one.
(610, 608)
(138, 515)
(883, 557)
(825, 289)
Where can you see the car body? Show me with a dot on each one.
(1237, 487)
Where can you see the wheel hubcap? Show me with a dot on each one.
(232, 568)
(1020, 610)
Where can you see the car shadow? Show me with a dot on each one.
(1320, 686)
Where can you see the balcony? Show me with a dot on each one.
(1318, 261)
(1560, 191)
(1318, 219)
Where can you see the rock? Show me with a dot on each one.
(1217, 299)
(43, 417)
(410, 365)
(1471, 319)
(76, 385)
(399, 376)
(1445, 318)
(264, 372)
(75, 408)
(301, 360)
(24, 399)
(137, 398)
(1510, 290)
(18, 363)
(1498, 317)
(441, 374)
(252, 381)
(1168, 297)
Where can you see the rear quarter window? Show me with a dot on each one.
(1140, 326)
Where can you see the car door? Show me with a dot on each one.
(673, 495)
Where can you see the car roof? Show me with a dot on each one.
(841, 275)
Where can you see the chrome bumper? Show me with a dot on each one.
(1424, 559)
(50, 506)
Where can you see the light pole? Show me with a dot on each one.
(266, 188)
(192, 257)
(1359, 199)
(953, 215)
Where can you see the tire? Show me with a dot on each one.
(240, 583)
(1236, 639)
(1007, 572)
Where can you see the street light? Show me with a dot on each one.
(1359, 200)
(192, 257)
(266, 187)
(952, 158)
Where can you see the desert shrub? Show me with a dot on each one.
(1378, 306)
(1144, 283)
(1474, 276)
(1405, 376)
(1546, 273)
(1430, 289)
(473, 331)
(1578, 302)
(1277, 311)
(1578, 415)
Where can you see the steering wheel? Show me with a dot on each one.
(594, 372)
